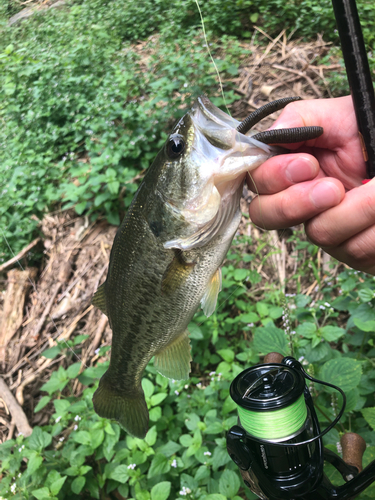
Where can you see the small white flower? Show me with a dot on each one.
(250, 325)
(186, 386)
(132, 466)
(339, 447)
(207, 453)
(322, 308)
(177, 393)
(199, 385)
(212, 373)
(58, 419)
(185, 491)
(174, 463)
(97, 350)
(77, 418)
(22, 447)
(61, 439)
(13, 487)
(75, 427)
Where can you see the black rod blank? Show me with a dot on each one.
(359, 76)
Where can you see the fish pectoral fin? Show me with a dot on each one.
(98, 299)
(209, 298)
(174, 360)
(177, 272)
(130, 410)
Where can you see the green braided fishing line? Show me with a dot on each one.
(274, 424)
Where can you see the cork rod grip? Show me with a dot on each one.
(353, 448)
(273, 357)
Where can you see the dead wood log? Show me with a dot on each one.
(18, 415)
(19, 283)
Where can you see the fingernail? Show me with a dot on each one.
(325, 194)
(301, 169)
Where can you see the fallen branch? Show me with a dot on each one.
(18, 415)
(19, 256)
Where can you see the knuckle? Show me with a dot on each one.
(361, 249)
(319, 234)
(368, 207)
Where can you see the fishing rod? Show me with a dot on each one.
(277, 444)
(359, 76)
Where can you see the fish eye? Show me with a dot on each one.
(175, 146)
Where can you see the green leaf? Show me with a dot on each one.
(39, 439)
(161, 491)
(80, 208)
(186, 440)
(240, 274)
(254, 17)
(365, 326)
(169, 449)
(82, 437)
(343, 372)
(78, 484)
(52, 352)
(159, 465)
(270, 339)
(262, 309)
(229, 483)
(151, 436)
(228, 406)
(97, 437)
(42, 403)
(148, 387)
(332, 333)
(226, 354)
(307, 330)
(120, 474)
(57, 485)
(215, 496)
(250, 317)
(73, 370)
(156, 399)
(195, 332)
(35, 461)
(366, 294)
(369, 416)
(41, 493)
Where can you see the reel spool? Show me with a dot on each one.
(272, 407)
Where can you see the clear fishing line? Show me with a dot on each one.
(275, 424)
(212, 59)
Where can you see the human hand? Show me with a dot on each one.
(320, 184)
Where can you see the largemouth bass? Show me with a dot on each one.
(167, 254)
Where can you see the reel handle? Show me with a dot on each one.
(353, 448)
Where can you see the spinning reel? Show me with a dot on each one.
(278, 443)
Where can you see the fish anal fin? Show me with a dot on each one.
(177, 272)
(98, 299)
(130, 410)
(174, 360)
(209, 298)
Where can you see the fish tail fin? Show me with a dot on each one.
(129, 409)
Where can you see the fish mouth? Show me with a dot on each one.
(226, 154)
(220, 129)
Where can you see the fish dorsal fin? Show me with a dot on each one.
(174, 360)
(209, 298)
(98, 299)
